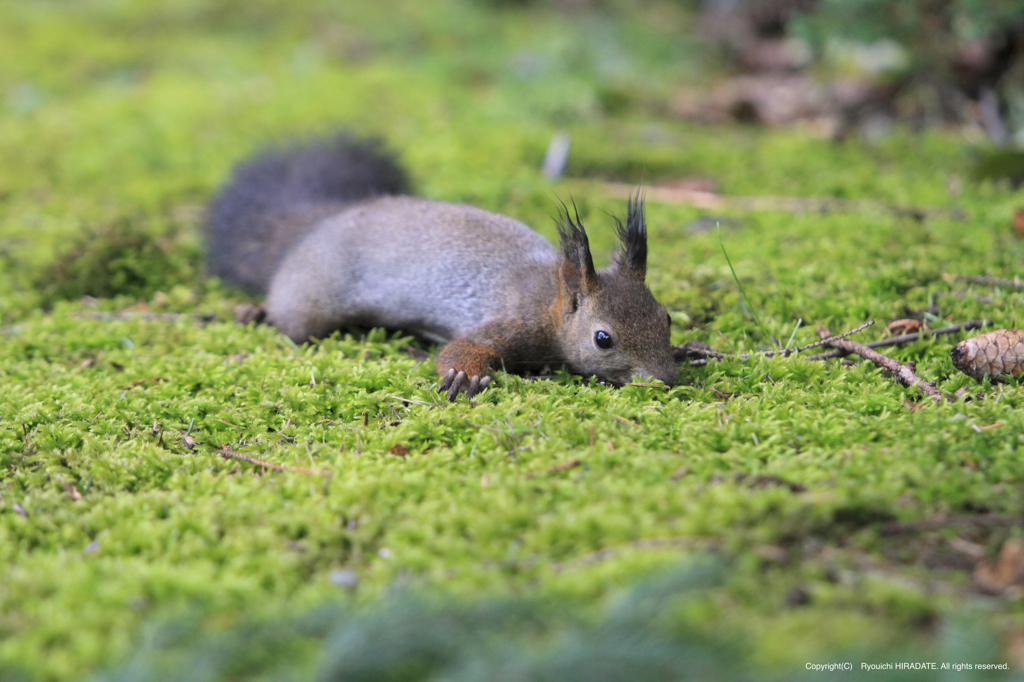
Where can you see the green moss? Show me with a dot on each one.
(126, 116)
(119, 258)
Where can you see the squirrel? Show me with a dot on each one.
(327, 230)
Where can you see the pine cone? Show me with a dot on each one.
(994, 354)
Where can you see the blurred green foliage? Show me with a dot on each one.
(925, 26)
(119, 258)
(118, 121)
(637, 635)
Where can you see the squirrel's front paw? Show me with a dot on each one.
(453, 382)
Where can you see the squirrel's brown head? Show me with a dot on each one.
(611, 326)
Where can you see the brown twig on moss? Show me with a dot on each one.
(905, 338)
(903, 374)
(227, 453)
(704, 354)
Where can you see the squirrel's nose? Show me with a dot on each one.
(668, 374)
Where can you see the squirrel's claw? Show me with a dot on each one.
(446, 381)
(454, 383)
(457, 385)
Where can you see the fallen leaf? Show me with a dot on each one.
(906, 326)
(72, 492)
(399, 450)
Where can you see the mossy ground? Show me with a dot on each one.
(131, 113)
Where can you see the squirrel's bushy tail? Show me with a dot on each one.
(273, 199)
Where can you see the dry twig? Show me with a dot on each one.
(704, 354)
(905, 338)
(226, 453)
(900, 372)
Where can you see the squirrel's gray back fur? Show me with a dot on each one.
(308, 224)
(276, 197)
(435, 269)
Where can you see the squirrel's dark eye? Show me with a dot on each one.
(603, 339)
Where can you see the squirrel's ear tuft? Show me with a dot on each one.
(576, 270)
(632, 260)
